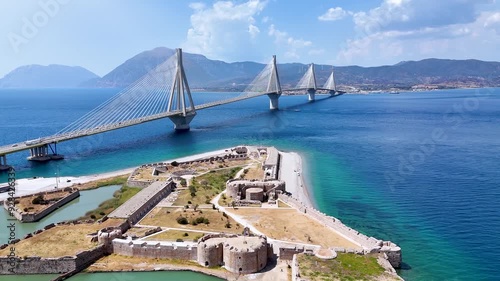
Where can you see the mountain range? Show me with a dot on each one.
(51, 76)
(207, 74)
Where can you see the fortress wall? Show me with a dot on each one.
(243, 261)
(369, 244)
(140, 204)
(154, 249)
(32, 217)
(140, 184)
(240, 186)
(210, 255)
(38, 265)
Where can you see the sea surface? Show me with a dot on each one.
(419, 169)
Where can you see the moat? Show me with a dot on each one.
(219, 213)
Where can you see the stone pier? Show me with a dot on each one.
(3, 163)
(42, 154)
(311, 94)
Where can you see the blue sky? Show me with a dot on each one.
(100, 35)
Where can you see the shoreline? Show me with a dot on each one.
(292, 172)
(26, 186)
(291, 163)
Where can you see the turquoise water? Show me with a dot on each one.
(121, 276)
(88, 200)
(419, 169)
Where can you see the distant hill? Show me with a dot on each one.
(204, 73)
(201, 72)
(438, 72)
(51, 76)
(218, 75)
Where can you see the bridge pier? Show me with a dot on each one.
(3, 163)
(181, 122)
(332, 92)
(274, 101)
(41, 153)
(311, 94)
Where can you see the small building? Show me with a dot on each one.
(255, 193)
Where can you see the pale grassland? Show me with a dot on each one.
(167, 217)
(291, 225)
(65, 240)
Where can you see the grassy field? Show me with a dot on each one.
(25, 204)
(115, 262)
(255, 172)
(345, 267)
(118, 180)
(106, 207)
(276, 223)
(203, 188)
(282, 204)
(167, 217)
(174, 235)
(60, 241)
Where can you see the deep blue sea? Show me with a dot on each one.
(419, 169)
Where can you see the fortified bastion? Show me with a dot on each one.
(237, 189)
(237, 253)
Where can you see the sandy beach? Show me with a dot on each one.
(31, 185)
(291, 172)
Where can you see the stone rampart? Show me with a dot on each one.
(140, 204)
(32, 217)
(238, 188)
(38, 265)
(369, 244)
(237, 253)
(182, 251)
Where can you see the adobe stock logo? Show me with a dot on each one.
(31, 25)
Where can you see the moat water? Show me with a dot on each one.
(419, 169)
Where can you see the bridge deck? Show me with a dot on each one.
(20, 146)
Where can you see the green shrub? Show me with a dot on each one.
(182, 220)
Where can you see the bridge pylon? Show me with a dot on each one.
(331, 85)
(311, 90)
(274, 87)
(177, 99)
(3, 163)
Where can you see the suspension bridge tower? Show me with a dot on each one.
(177, 100)
(274, 86)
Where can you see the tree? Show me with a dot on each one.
(38, 200)
(182, 220)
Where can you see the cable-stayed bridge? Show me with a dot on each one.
(161, 93)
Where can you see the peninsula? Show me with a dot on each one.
(226, 213)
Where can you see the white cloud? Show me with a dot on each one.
(492, 21)
(223, 29)
(291, 44)
(333, 14)
(413, 14)
(476, 39)
(253, 30)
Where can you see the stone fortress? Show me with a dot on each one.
(237, 253)
(240, 254)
